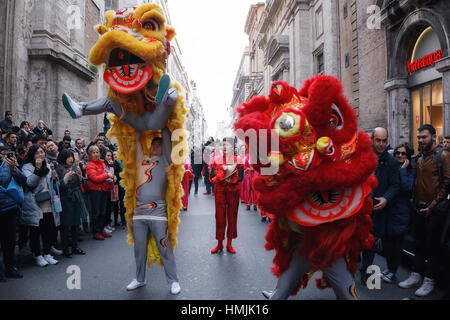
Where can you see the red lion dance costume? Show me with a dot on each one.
(319, 198)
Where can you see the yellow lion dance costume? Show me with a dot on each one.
(134, 45)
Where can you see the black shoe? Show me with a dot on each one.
(78, 251)
(117, 224)
(66, 253)
(255, 208)
(248, 208)
(13, 272)
(267, 294)
(264, 219)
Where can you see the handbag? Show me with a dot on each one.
(42, 196)
(14, 191)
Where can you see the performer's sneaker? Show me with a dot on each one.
(175, 288)
(219, 248)
(267, 294)
(75, 110)
(135, 284)
(163, 89)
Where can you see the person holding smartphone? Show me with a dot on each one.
(72, 202)
(9, 211)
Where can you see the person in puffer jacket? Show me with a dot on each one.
(9, 210)
(99, 181)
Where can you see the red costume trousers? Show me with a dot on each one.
(227, 207)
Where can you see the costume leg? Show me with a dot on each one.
(290, 278)
(140, 233)
(221, 211)
(232, 213)
(341, 280)
(161, 234)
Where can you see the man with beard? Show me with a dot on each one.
(430, 178)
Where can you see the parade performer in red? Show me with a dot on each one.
(248, 192)
(226, 174)
(188, 176)
(319, 196)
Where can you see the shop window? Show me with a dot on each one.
(345, 10)
(427, 109)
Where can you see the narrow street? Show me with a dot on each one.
(109, 266)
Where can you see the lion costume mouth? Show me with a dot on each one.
(331, 205)
(126, 72)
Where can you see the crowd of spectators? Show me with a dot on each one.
(70, 190)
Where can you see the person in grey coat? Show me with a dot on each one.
(42, 205)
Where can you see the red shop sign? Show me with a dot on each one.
(424, 62)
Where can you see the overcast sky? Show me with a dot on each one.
(212, 40)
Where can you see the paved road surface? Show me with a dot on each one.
(109, 266)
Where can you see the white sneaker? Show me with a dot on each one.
(175, 288)
(135, 284)
(414, 280)
(108, 230)
(50, 259)
(75, 110)
(426, 287)
(25, 252)
(55, 251)
(40, 261)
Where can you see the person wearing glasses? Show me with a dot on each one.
(398, 219)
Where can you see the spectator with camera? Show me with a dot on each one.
(70, 177)
(9, 209)
(432, 170)
(387, 173)
(42, 129)
(42, 205)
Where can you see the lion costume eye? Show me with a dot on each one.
(336, 120)
(288, 124)
(151, 25)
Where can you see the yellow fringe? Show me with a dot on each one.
(126, 137)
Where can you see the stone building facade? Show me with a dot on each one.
(45, 50)
(368, 44)
(289, 40)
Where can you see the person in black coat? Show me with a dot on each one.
(399, 216)
(384, 195)
(197, 166)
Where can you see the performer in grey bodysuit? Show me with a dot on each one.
(150, 213)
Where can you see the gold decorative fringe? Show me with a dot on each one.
(126, 137)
